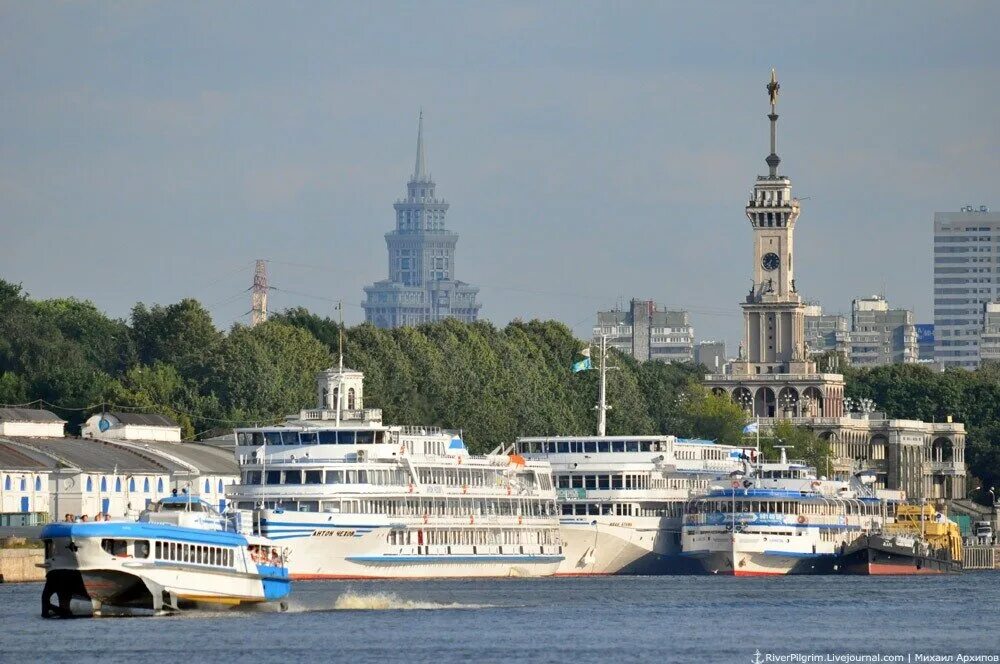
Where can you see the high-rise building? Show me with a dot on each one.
(925, 342)
(825, 332)
(647, 332)
(880, 335)
(966, 277)
(989, 340)
(421, 287)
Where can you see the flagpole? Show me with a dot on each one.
(602, 405)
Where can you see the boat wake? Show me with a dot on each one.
(352, 601)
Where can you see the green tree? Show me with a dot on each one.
(806, 446)
(710, 416)
(180, 334)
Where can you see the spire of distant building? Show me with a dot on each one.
(420, 168)
(772, 92)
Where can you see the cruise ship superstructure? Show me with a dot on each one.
(621, 498)
(352, 498)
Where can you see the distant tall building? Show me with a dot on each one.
(825, 332)
(712, 355)
(421, 287)
(966, 277)
(880, 335)
(648, 333)
(989, 339)
(925, 342)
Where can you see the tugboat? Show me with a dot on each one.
(180, 554)
(921, 540)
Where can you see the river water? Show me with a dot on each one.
(613, 619)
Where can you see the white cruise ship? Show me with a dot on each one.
(621, 498)
(780, 518)
(353, 498)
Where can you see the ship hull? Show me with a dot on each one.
(338, 549)
(877, 556)
(603, 548)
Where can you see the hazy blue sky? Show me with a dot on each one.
(590, 151)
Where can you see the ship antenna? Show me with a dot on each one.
(340, 359)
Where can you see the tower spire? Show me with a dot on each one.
(420, 168)
(772, 92)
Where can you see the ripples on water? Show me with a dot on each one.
(642, 619)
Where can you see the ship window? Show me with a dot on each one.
(632, 446)
(307, 438)
(334, 477)
(562, 481)
(142, 548)
(618, 446)
(258, 438)
(273, 477)
(577, 481)
(327, 437)
(590, 482)
(362, 477)
(562, 447)
(308, 506)
(172, 553)
(345, 437)
(645, 446)
(159, 550)
(290, 437)
(590, 446)
(616, 481)
(365, 437)
(293, 477)
(252, 477)
(314, 477)
(115, 547)
(603, 446)
(603, 482)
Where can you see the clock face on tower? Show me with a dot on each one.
(770, 261)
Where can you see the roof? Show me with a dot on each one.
(14, 458)
(92, 455)
(208, 459)
(28, 415)
(145, 419)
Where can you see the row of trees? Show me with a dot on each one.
(493, 383)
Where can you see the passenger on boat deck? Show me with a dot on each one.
(83, 517)
(274, 557)
(69, 518)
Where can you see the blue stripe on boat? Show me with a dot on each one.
(142, 530)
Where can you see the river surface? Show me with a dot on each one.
(614, 619)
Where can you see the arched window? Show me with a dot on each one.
(38, 483)
(104, 484)
(6, 484)
(90, 483)
(24, 484)
(131, 484)
(145, 485)
(208, 487)
(350, 399)
(118, 485)
(159, 485)
(222, 487)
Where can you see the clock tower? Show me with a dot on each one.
(773, 313)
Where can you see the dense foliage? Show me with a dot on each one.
(493, 383)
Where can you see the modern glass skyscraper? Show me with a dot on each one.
(421, 286)
(966, 278)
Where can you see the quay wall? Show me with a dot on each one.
(17, 565)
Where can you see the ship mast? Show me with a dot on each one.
(602, 398)
(340, 361)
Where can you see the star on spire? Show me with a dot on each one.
(772, 89)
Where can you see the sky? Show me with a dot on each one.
(591, 152)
